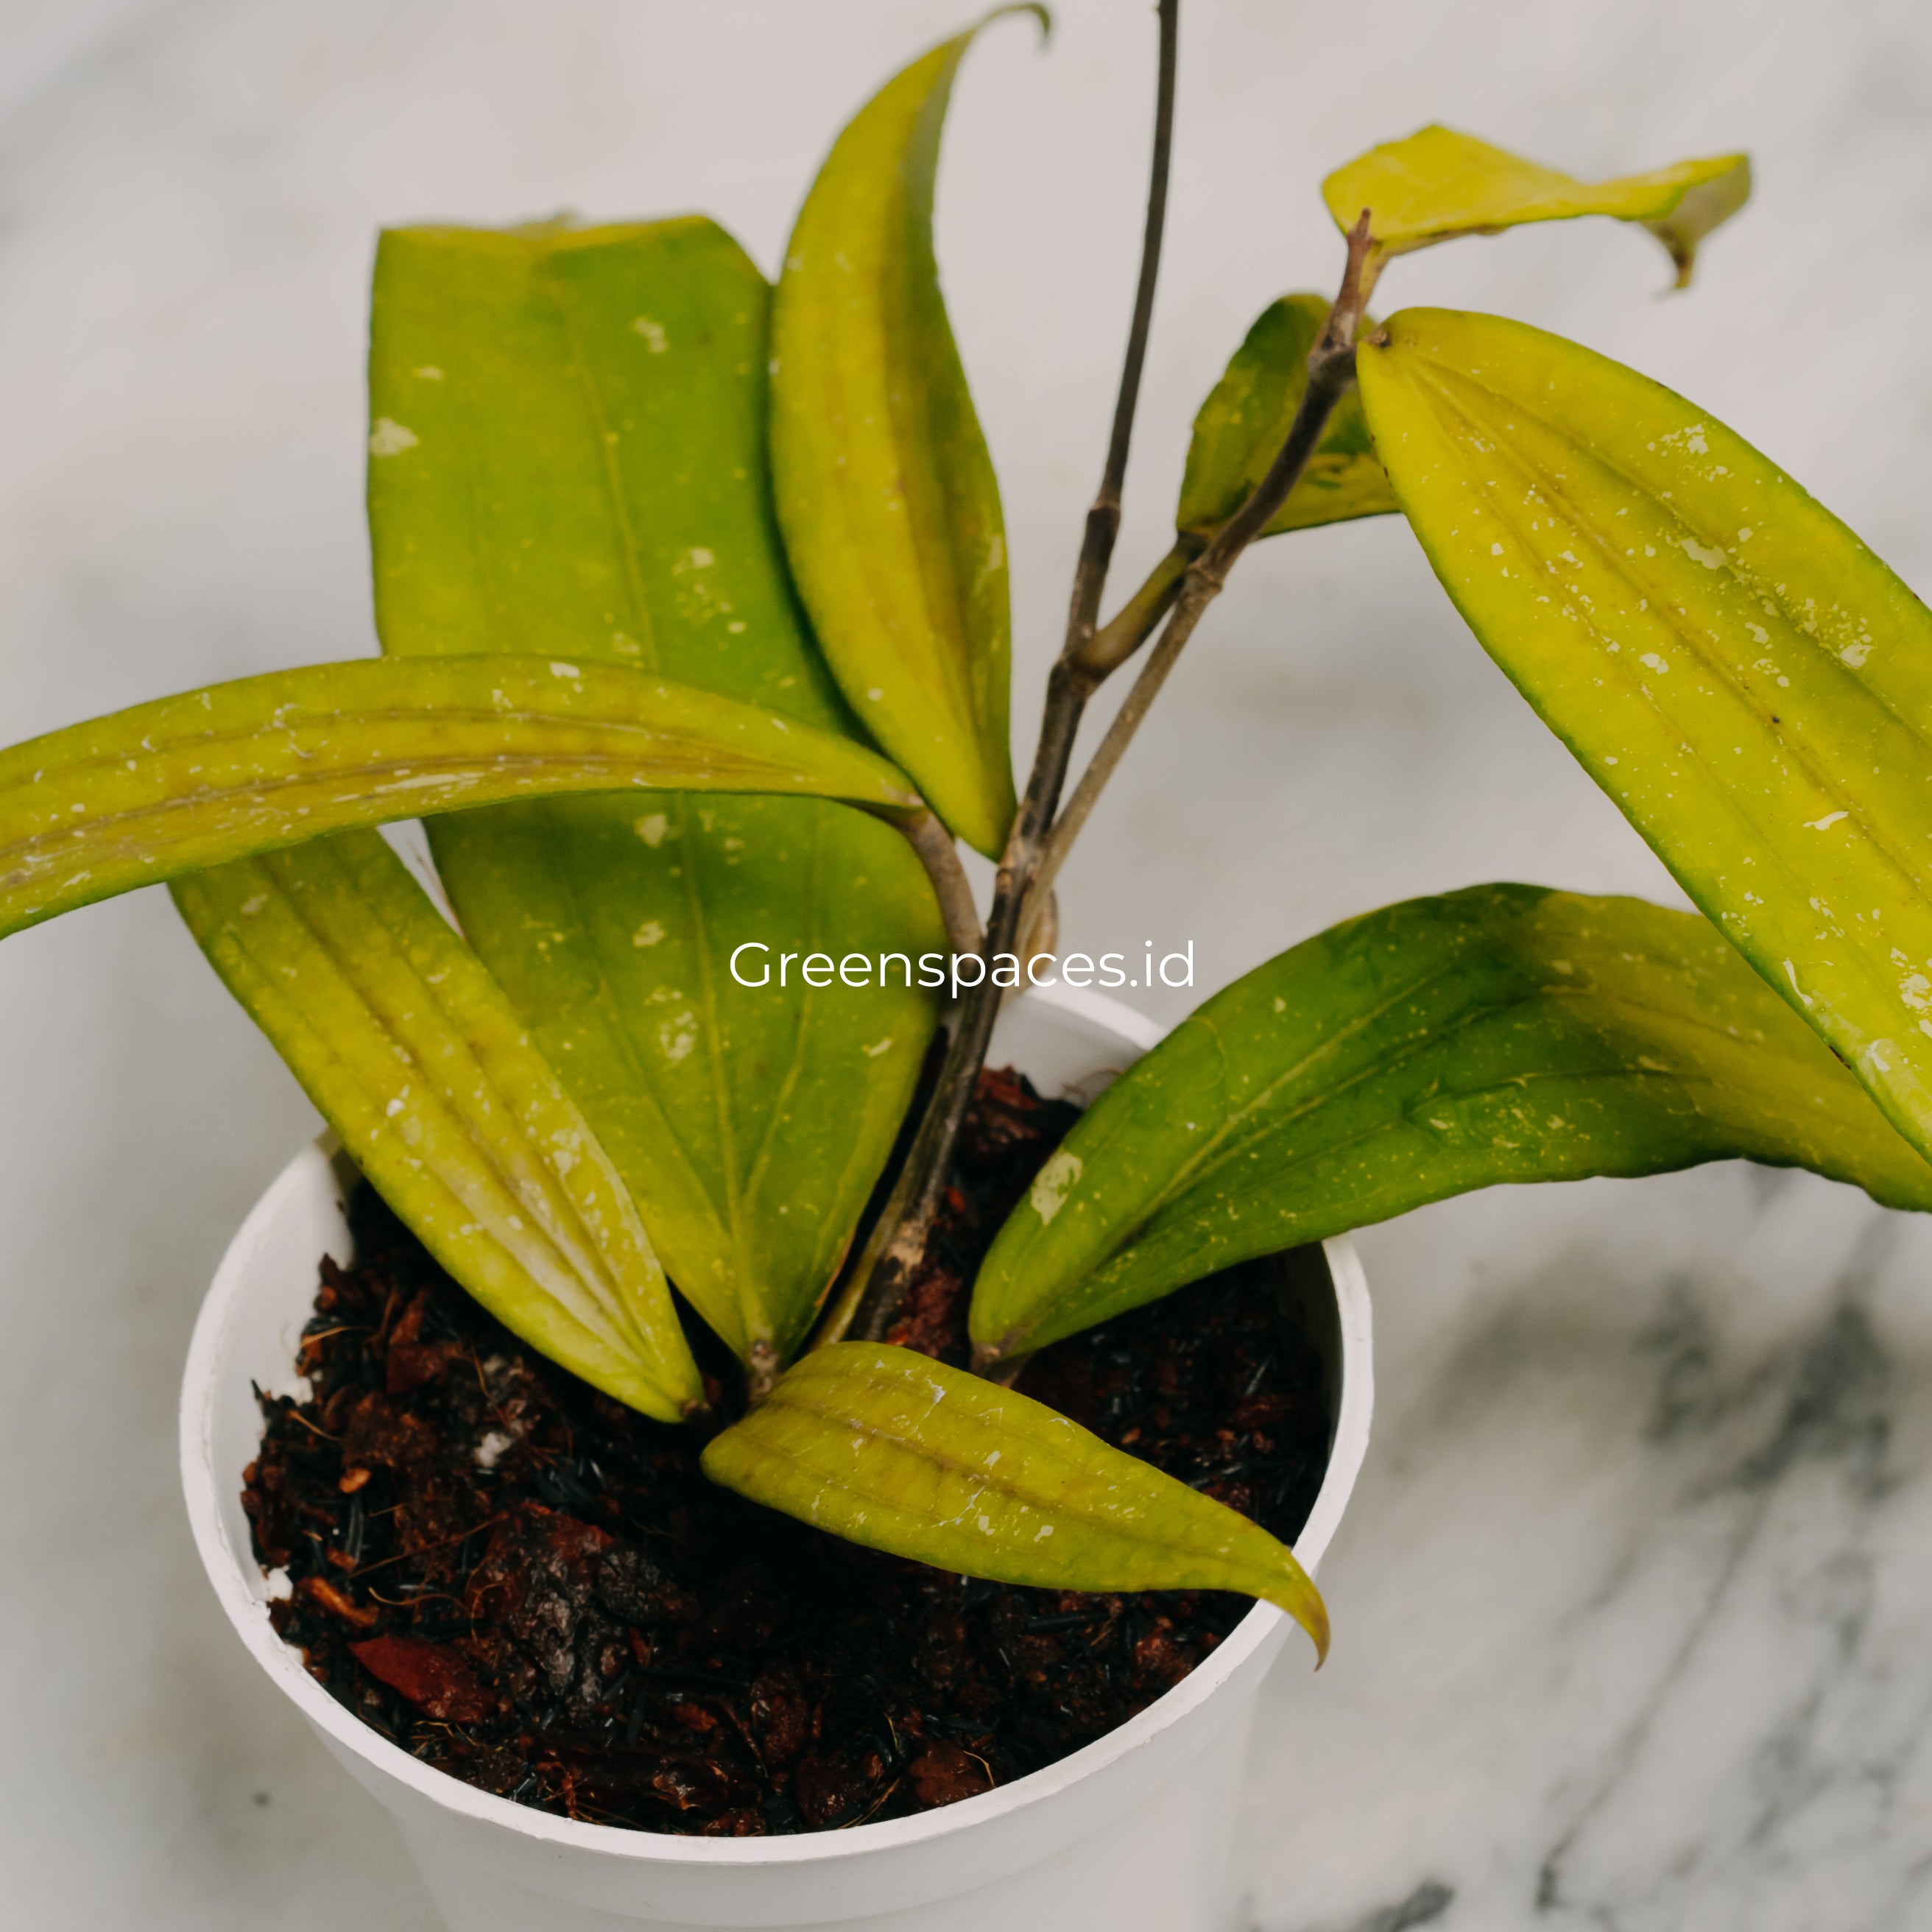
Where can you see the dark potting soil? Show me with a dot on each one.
(534, 1589)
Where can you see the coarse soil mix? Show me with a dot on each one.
(534, 1589)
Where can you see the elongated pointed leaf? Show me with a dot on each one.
(574, 455)
(1439, 184)
(1244, 421)
(1504, 1033)
(415, 1057)
(1750, 684)
(162, 788)
(888, 1448)
(885, 492)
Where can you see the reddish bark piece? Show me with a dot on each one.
(363, 1616)
(780, 1715)
(382, 1434)
(432, 1676)
(942, 1774)
(414, 1365)
(833, 1788)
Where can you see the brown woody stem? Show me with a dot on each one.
(1136, 620)
(897, 1247)
(893, 1255)
(1331, 369)
(937, 853)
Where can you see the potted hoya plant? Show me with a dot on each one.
(729, 1441)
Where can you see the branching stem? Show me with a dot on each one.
(885, 1270)
(1331, 369)
(1182, 587)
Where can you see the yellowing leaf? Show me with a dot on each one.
(1439, 184)
(888, 1448)
(1245, 420)
(415, 1059)
(885, 492)
(1503, 1034)
(588, 475)
(159, 790)
(1750, 684)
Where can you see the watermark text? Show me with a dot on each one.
(754, 963)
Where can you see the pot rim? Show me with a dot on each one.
(231, 1571)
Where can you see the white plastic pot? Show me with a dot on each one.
(1132, 1833)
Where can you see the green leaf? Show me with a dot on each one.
(1439, 184)
(1750, 684)
(414, 1057)
(1501, 1033)
(569, 451)
(213, 775)
(886, 494)
(888, 1448)
(1245, 420)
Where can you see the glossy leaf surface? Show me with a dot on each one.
(570, 446)
(416, 1060)
(888, 1448)
(1503, 1034)
(1439, 184)
(1245, 420)
(1750, 684)
(160, 789)
(885, 490)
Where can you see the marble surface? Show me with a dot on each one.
(1631, 1608)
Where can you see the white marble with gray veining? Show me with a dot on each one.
(1634, 1608)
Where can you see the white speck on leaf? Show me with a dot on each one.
(651, 829)
(389, 438)
(678, 1035)
(1051, 1183)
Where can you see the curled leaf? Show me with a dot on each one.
(1439, 184)
(1502, 1033)
(414, 1057)
(160, 789)
(885, 490)
(888, 1448)
(1245, 421)
(1743, 676)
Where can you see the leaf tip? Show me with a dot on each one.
(1042, 13)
